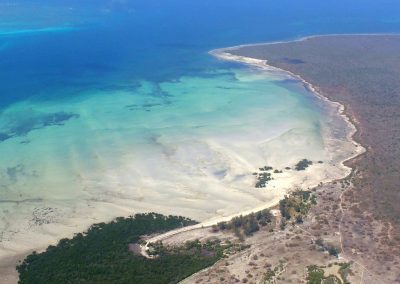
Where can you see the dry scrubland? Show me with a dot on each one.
(286, 252)
(284, 256)
(362, 72)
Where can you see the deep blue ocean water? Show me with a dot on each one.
(48, 45)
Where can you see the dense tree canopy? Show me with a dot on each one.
(101, 255)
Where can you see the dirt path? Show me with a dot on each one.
(159, 238)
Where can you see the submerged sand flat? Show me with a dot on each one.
(187, 147)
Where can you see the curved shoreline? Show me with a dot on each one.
(220, 53)
(262, 204)
(299, 39)
(223, 54)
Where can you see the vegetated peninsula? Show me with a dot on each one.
(108, 253)
(362, 73)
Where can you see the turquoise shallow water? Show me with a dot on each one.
(114, 107)
(55, 148)
(187, 146)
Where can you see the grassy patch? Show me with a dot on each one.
(316, 274)
(263, 177)
(296, 205)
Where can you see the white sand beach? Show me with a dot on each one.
(192, 153)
